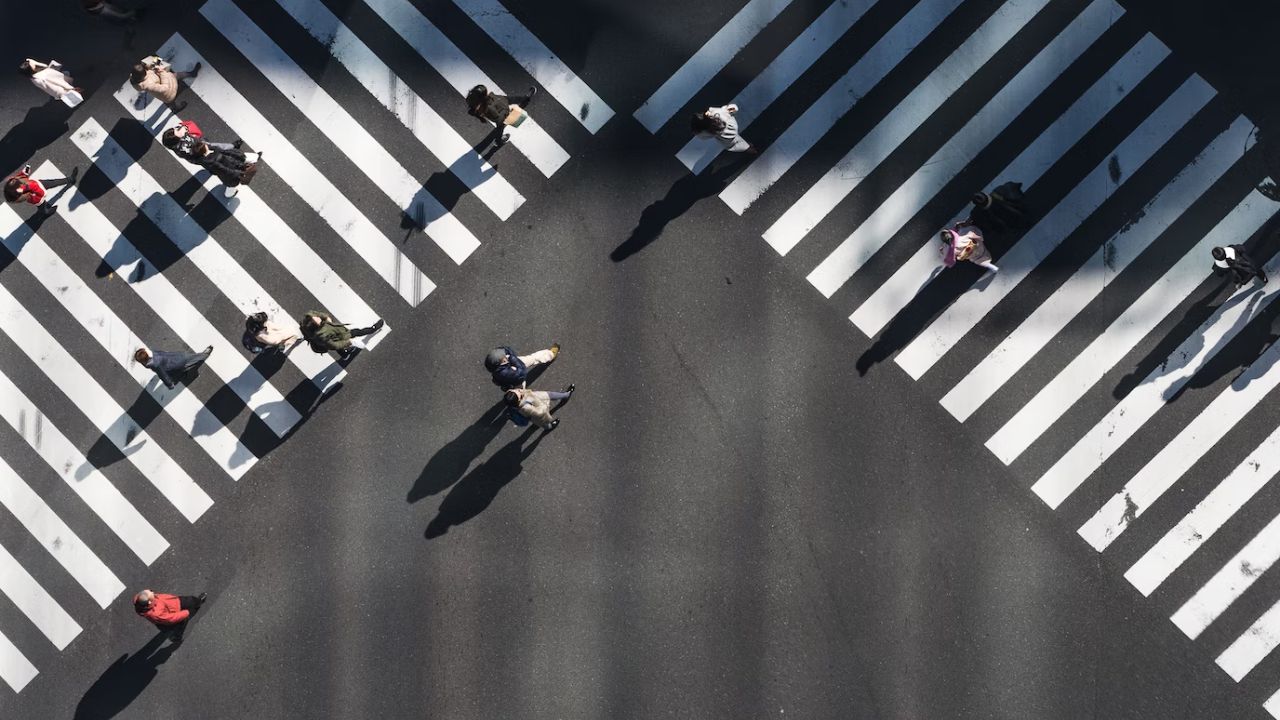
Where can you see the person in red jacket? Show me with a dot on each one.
(20, 187)
(167, 612)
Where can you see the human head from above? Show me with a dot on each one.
(511, 397)
(27, 67)
(496, 358)
(142, 601)
(141, 356)
(12, 189)
(139, 72)
(1218, 253)
(705, 122)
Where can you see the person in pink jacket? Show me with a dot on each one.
(964, 242)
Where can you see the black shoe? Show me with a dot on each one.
(237, 144)
(377, 326)
(208, 350)
(196, 70)
(533, 90)
(75, 175)
(506, 137)
(570, 388)
(554, 424)
(48, 210)
(347, 354)
(1263, 277)
(201, 598)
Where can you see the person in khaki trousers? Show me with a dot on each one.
(526, 405)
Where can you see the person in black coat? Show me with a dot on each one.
(1233, 262)
(169, 366)
(508, 370)
(491, 107)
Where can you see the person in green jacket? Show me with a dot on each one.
(324, 333)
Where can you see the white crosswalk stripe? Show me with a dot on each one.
(1127, 274)
(55, 343)
(561, 82)
(462, 74)
(374, 160)
(709, 60)
(769, 85)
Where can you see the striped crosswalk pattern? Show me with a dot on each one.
(149, 250)
(1068, 361)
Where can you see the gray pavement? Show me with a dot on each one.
(731, 520)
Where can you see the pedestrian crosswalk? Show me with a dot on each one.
(149, 250)
(1091, 362)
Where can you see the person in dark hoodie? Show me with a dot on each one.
(501, 110)
(1234, 262)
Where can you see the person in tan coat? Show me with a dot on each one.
(158, 78)
(525, 405)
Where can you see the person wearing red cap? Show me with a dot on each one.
(167, 612)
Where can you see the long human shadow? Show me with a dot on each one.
(1242, 347)
(446, 188)
(477, 490)
(124, 681)
(450, 462)
(682, 196)
(40, 127)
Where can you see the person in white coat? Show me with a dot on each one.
(719, 123)
(53, 80)
(525, 405)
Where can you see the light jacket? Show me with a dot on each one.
(161, 83)
(534, 405)
(52, 79)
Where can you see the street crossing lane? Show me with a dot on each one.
(710, 59)
(537, 59)
(272, 232)
(431, 130)
(344, 131)
(780, 75)
(821, 116)
(945, 164)
(462, 74)
(1083, 287)
(1032, 248)
(1067, 129)
(204, 252)
(37, 604)
(154, 289)
(923, 101)
(348, 223)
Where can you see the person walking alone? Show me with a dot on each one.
(964, 242)
(20, 187)
(501, 110)
(53, 80)
(325, 334)
(534, 405)
(508, 370)
(1232, 261)
(170, 366)
(158, 78)
(168, 612)
(720, 123)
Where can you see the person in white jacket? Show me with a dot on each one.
(525, 405)
(53, 80)
(719, 123)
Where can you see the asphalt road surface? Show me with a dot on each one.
(910, 494)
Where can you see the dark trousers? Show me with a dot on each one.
(360, 332)
(49, 184)
(557, 395)
(189, 603)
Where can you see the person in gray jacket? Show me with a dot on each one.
(171, 366)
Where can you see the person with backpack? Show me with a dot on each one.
(170, 366)
(1233, 262)
(719, 123)
(155, 76)
(525, 405)
(324, 334)
(261, 334)
(501, 110)
(508, 370)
